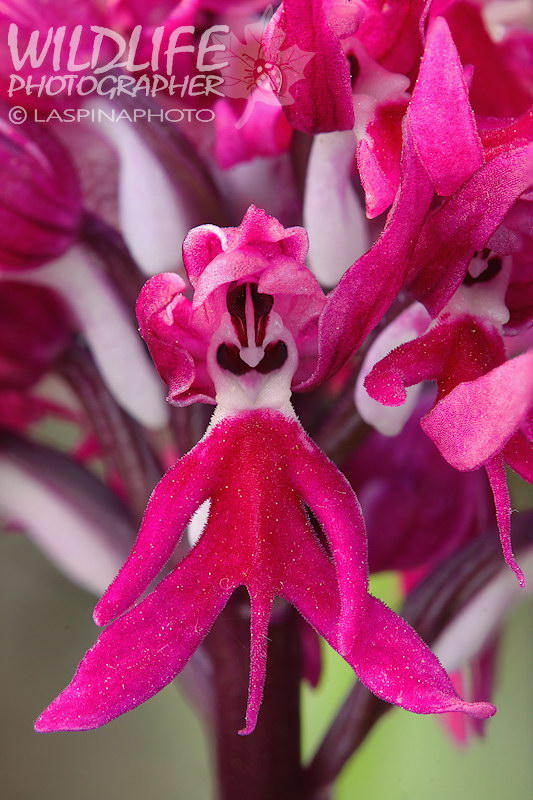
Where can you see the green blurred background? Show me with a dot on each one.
(159, 750)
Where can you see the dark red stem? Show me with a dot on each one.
(266, 764)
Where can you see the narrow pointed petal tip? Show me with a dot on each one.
(56, 718)
(476, 710)
(249, 727)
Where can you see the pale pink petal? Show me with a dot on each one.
(407, 326)
(376, 277)
(155, 214)
(67, 513)
(474, 422)
(333, 216)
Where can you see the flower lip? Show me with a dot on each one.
(249, 311)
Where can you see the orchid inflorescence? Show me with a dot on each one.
(318, 255)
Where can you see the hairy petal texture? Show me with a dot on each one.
(178, 332)
(260, 471)
(452, 351)
(174, 500)
(442, 121)
(474, 422)
(323, 98)
(144, 650)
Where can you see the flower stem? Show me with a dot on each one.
(124, 445)
(266, 764)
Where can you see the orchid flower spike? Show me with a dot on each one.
(248, 334)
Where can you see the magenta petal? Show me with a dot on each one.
(139, 654)
(473, 423)
(450, 352)
(442, 121)
(323, 98)
(260, 611)
(386, 653)
(395, 664)
(332, 500)
(376, 277)
(165, 323)
(175, 499)
(495, 469)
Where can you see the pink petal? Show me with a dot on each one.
(155, 213)
(204, 243)
(330, 497)
(107, 326)
(260, 618)
(394, 663)
(165, 323)
(495, 90)
(495, 469)
(474, 422)
(265, 133)
(67, 514)
(407, 326)
(385, 652)
(450, 352)
(323, 98)
(144, 650)
(518, 454)
(379, 156)
(442, 121)
(175, 499)
(391, 34)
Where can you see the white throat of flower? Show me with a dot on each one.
(483, 299)
(252, 389)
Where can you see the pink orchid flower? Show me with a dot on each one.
(483, 401)
(249, 330)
